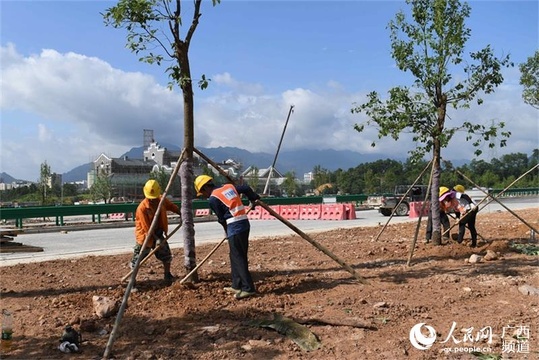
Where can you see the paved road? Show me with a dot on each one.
(72, 244)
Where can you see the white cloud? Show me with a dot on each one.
(44, 135)
(226, 80)
(74, 107)
(77, 90)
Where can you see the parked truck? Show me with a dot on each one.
(389, 202)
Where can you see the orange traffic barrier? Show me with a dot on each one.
(415, 209)
(202, 212)
(255, 214)
(266, 215)
(333, 212)
(119, 216)
(350, 210)
(310, 211)
(289, 212)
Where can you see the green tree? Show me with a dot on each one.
(290, 185)
(479, 167)
(253, 180)
(161, 176)
(431, 48)
(101, 188)
(44, 180)
(70, 189)
(372, 182)
(146, 22)
(320, 176)
(344, 181)
(534, 157)
(488, 179)
(514, 164)
(529, 78)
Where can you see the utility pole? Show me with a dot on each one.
(278, 148)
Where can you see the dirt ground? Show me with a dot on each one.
(469, 306)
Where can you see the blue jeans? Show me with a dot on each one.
(239, 263)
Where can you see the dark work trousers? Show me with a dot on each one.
(468, 219)
(239, 263)
(444, 219)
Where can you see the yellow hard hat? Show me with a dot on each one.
(152, 190)
(443, 190)
(459, 188)
(200, 181)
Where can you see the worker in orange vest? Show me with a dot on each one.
(225, 201)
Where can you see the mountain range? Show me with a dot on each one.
(298, 161)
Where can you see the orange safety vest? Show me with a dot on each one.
(228, 195)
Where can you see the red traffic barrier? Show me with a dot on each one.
(333, 212)
(289, 212)
(310, 211)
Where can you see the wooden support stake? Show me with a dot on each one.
(313, 242)
(154, 250)
(287, 223)
(498, 201)
(414, 241)
(119, 316)
(406, 194)
(203, 261)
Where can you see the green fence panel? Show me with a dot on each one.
(97, 210)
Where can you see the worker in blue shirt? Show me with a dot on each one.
(225, 201)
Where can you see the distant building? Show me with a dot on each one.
(262, 175)
(126, 175)
(160, 155)
(55, 180)
(14, 184)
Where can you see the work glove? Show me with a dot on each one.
(252, 202)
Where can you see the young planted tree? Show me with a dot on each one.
(254, 179)
(321, 176)
(44, 180)
(289, 185)
(155, 25)
(529, 78)
(101, 188)
(162, 177)
(431, 47)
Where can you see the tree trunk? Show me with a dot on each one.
(436, 172)
(435, 204)
(186, 169)
(188, 227)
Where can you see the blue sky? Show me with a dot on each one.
(71, 90)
